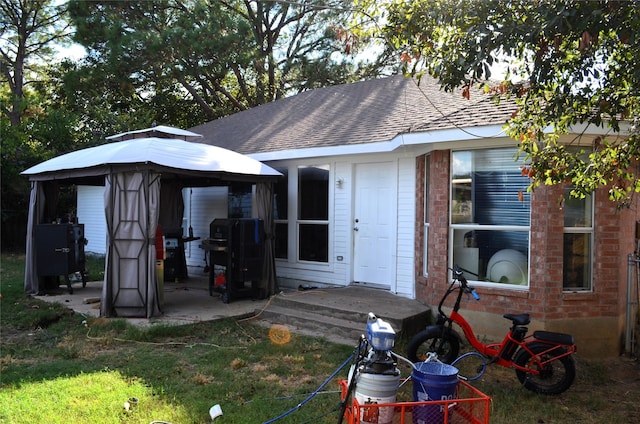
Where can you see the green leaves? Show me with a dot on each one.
(573, 68)
(224, 56)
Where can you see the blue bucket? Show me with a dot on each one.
(432, 381)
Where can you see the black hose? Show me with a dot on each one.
(295, 408)
(358, 355)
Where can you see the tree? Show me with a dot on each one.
(28, 29)
(103, 105)
(226, 55)
(569, 63)
(29, 131)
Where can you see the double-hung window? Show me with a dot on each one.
(490, 217)
(578, 240)
(313, 213)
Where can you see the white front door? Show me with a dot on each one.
(374, 224)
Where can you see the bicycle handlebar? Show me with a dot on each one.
(458, 275)
(474, 294)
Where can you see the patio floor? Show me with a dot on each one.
(189, 302)
(185, 302)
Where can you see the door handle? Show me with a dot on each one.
(355, 228)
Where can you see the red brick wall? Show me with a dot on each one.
(545, 251)
(549, 306)
(438, 226)
(615, 238)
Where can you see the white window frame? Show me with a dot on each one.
(583, 230)
(300, 221)
(425, 230)
(478, 227)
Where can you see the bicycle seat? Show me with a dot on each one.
(518, 319)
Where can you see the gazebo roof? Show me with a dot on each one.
(175, 158)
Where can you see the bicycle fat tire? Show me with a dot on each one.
(446, 344)
(554, 378)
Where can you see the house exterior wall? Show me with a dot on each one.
(595, 318)
(339, 269)
(201, 206)
(405, 281)
(204, 204)
(429, 287)
(342, 228)
(90, 212)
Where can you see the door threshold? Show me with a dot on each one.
(372, 285)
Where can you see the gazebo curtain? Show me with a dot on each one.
(171, 206)
(264, 206)
(42, 208)
(131, 210)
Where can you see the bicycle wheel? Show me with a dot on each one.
(446, 345)
(553, 377)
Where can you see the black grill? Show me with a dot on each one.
(236, 254)
(60, 252)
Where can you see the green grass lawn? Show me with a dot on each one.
(60, 367)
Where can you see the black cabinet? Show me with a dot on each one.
(236, 246)
(60, 252)
(175, 262)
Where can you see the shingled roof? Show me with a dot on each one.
(357, 113)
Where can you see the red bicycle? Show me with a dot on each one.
(543, 361)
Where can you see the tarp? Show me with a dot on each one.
(133, 171)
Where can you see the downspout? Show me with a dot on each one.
(632, 303)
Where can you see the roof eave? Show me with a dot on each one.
(387, 146)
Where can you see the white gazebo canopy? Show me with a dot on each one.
(156, 131)
(157, 152)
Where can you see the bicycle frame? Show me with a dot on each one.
(502, 353)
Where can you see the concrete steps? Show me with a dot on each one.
(314, 324)
(340, 315)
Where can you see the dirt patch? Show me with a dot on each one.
(622, 380)
(624, 370)
(621, 387)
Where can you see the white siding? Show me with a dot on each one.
(90, 212)
(341, 223)
(406, 227)
(339, 270)
(201, 206)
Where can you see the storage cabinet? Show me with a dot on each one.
(236, 246)
(60, 252)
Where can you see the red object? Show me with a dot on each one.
(220, 280)
(159, 244)
(469, 406)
